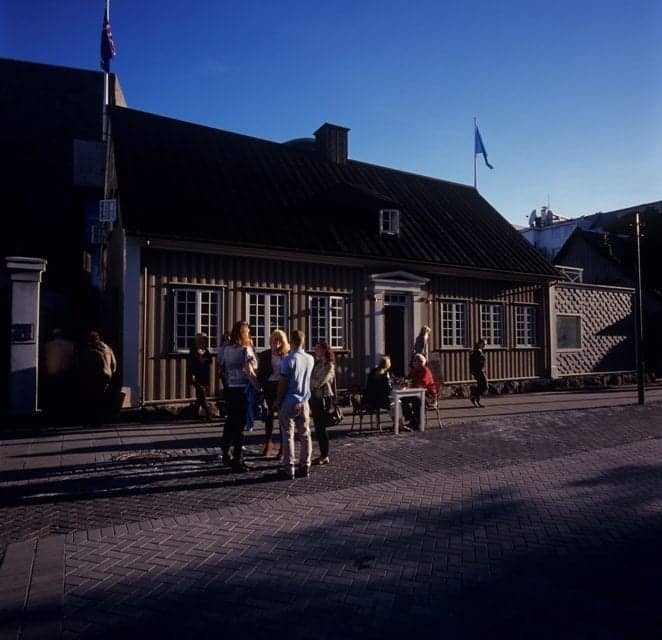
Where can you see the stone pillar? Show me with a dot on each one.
(25, 275)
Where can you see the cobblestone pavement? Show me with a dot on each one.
(533, 525)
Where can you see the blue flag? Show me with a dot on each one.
(107, 44)
(479, 147)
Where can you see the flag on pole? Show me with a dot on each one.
(479, 147)
(107, 44)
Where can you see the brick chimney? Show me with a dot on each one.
(331, 142)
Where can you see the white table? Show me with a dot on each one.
(404, 392)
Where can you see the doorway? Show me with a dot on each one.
(394, 337)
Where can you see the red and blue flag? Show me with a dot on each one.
(107, 45)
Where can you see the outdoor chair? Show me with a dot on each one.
(432, 404)
(360, 409)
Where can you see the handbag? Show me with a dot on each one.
(332, 410)
(333, 413)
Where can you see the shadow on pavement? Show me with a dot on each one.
(494, 566)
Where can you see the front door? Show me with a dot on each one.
(394, 338)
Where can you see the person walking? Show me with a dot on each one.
(322, 382)
(292, 406)
(237, 365)
(477, 369)
(198, 367)
(97, 368)
(268, 374)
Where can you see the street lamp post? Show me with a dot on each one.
(639, 324)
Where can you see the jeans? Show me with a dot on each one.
(293, 415)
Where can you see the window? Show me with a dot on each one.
(491, 324)
(453, 324)
(327, 321)
(389, 222)
(525, 326)
(266, 313)
(569, 332)
(196, 311)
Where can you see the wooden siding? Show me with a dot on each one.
(234, 277)
(503, 363)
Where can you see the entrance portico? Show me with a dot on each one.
(398, 301)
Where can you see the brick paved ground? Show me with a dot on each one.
(535, 525)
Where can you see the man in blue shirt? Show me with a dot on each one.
(292, 405)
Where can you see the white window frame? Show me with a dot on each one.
(196, 298)
(389, 222)
(263, 325)
(453, 315)
(580, 331)
(491, 324)
(526, 326)
(329, 311)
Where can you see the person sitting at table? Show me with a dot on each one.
(420, 377)
(377, 393)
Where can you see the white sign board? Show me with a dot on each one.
(107, 210)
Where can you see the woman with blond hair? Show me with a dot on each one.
(268, 375)
(238, 364)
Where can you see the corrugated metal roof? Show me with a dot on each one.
(182, 180)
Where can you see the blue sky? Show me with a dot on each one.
(568, 95)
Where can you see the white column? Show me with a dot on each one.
(25, 274)
(551, 318)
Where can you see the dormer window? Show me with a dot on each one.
(389, 222)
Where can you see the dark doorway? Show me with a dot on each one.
(394, 338)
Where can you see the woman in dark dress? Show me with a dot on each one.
(199, 364)
(268, 375)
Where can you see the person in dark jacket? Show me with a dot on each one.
(477, 369)
(268, 375)
(199, 364)
(377, 393)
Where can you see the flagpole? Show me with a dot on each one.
(106, 90)
(475, 125)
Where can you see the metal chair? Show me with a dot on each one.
(360, 409)
(432, 404)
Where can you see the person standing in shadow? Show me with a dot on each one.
(198, 368)
(97, 368)
(477, 369)
(59, 360)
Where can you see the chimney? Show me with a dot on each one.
(331, 142)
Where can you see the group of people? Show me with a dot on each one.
(292, 385)
(77, 380)
(285, 378)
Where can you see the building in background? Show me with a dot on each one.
(596, 254)
(214, 227)
(52, 181)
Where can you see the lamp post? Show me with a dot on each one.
(639, 320)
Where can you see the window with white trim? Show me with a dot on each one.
(525, 326)
(491, 324)
(196, 311)
(389, 222)
(266, 313)
(453, 324)
(327, 321)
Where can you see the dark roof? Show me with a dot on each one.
(187, 181)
